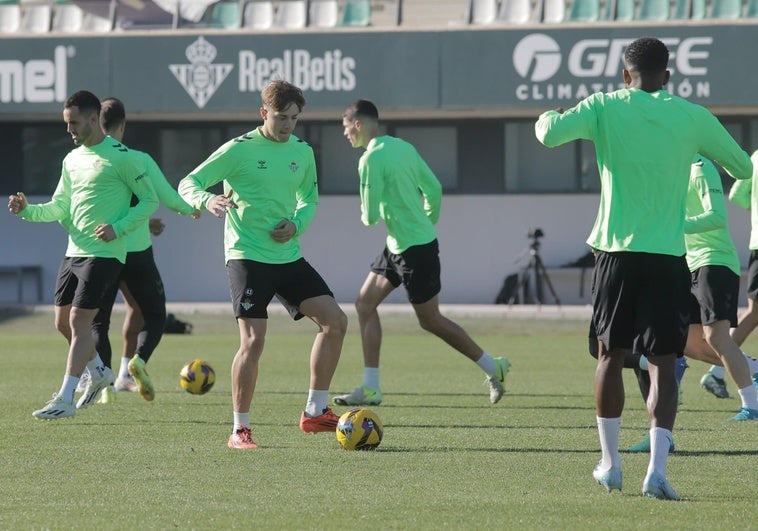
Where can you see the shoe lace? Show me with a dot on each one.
(244, 435)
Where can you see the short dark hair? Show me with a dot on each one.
(646, 54)
(361, 108)
(112, 113)
(278, 94)
(85, 100)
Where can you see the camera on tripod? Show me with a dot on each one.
(535, 233)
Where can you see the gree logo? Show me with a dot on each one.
(537, 57)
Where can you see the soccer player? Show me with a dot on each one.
(743, 195)
(397, 187)
(92, 201)
(269, 200)
(645, 141)
(140, 282)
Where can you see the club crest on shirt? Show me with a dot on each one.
(293, 166)
(262, 165)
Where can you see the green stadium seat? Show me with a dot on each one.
(751, 11)
(357, 13)
(584, 11)
(622, 10)
(726, 9)
(225, 15)
(698, 9)
(654, 10)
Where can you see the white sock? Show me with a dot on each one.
(749, 397)
(371, 377)
(68, 388)
(609, 431)
(643, 363)
(717, 371)
(660, 440)
(240, 420)
(752, 363)
(123, 371)
(95, 366)
(316, 403)
(487, 364)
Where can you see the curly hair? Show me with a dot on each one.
(646, 54)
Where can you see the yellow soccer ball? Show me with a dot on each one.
(359, 429)
(197, 377)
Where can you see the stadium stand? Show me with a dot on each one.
(726, 9)
(654, 10)
(36, 17)
(225, 15)
(751, 11)
(515, 12)
(291, 14)
(357, 13)
(584, 11)
(10, 17)
(258, 14)
(482, 11)
(323, 13)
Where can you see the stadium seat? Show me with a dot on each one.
(95, 23)
(10, 18)
(357, 13)
(515, 11)
(726, 9)
(584, 11)
(258, 14)
(225, 15)
(554, 11)
(654, 10)
(698, 9)
(291, 14)
(622, 10)
(36, 18)
(482, 11)
(751, 11)
(323, 13)
(68, 18)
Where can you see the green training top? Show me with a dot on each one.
(397, 186)
(645, 143)
(706, 226)
(745, 193)
(271, 181)
(96, 187)
(139, 239)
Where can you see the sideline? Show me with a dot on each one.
(516, 311)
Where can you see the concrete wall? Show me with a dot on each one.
(481, 241)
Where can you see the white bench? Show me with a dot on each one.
(19, 272)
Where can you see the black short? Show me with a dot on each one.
(752, 276)
(715, 294)
(253, 284)
(641, 301)
(417, 268)
(86, 282)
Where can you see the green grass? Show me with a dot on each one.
(449, 458)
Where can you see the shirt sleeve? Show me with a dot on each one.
(431, 188)
(741, 192)
(721, 147)
(137, 180)
(554, 129)
(166, 193)
(371, 174)
(212, 171)
(307, 198)
(708, 184)
(59, 206)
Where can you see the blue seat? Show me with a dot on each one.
(584, 11)
(357, 13)
(654, 10)
(726, 9)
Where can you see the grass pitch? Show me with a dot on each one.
(449, 458)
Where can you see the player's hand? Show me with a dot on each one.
(284, 231)
(105, 232)
(196, 214)
(17, 202)
(219, 205)
(156, 226)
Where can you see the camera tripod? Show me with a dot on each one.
(534, 269)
